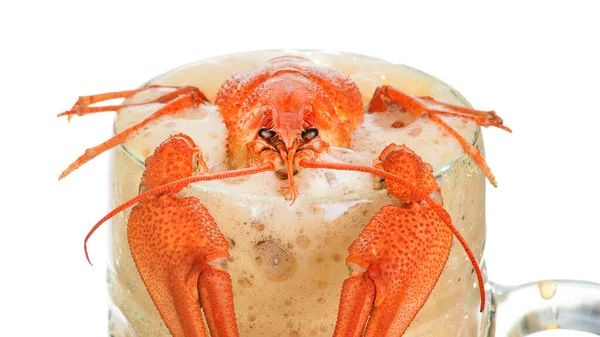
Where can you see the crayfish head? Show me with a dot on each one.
(177, 157)
(285, 149)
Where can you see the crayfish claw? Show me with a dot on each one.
(405, 249)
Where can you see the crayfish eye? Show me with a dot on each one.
(266, 133)
(310, 134)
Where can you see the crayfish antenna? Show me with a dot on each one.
(290, 172)
(437, 208)
(172, 187)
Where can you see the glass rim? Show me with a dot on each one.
(348, 196)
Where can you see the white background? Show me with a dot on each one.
(537, 65)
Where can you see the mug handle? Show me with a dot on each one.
(544, 305)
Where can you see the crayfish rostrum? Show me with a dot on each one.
(283, 120)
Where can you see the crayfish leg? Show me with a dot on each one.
(487, 118)
(176, 101)
(419, 106)
(82, 105)
(403, 251)
(470, 149)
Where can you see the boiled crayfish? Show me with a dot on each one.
(280, 117)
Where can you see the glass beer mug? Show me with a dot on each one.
(288, 261)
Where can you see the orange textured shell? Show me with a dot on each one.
(171, 161)
(288, 93)
(410, 245)
(405, 163)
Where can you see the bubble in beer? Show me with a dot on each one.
(274, 262)
(415, 131)
(302, 241)
(244, 283)
(331, 179)
(259, 227)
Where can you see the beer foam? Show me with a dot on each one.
(206, 127)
